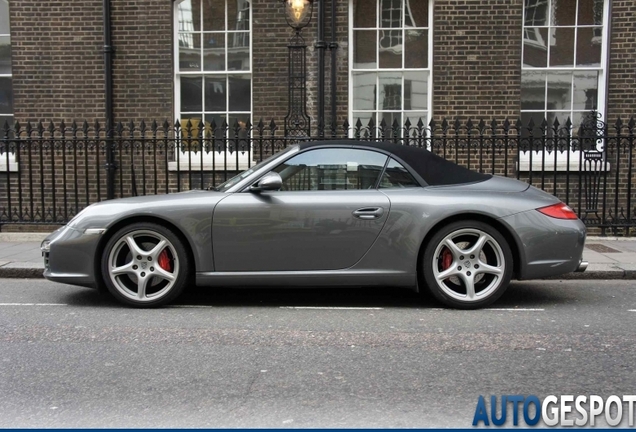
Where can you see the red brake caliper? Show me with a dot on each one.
(164, 261)
(447, 259)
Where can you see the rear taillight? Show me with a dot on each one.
(558, 211)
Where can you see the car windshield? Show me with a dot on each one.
(223, 187)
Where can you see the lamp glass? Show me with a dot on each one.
(297, 11)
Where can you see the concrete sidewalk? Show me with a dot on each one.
(609, 257)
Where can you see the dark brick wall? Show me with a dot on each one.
(477, 58)
(271, 36)
(342, 63)
(621, 98)
(57, 49)
(58, 63)
(58, 59)
(143, 66)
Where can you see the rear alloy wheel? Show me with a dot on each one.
(467, 265)
(145, 265)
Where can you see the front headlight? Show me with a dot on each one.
(45, 246)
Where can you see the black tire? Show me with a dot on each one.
(154, 277)
(449, 271)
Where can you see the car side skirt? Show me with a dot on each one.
(315, 278)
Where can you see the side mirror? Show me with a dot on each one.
(270, 182)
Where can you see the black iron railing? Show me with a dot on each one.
(49, 172)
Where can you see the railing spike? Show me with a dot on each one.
(120, 129)
(6, 128)
(531, 124)
(619, 124)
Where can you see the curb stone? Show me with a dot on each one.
(10, 272)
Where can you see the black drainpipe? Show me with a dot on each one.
(333, 47)
(321, 46)
(111, 164)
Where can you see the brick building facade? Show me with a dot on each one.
(474, 68)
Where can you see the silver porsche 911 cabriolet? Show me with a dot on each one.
(331, 213)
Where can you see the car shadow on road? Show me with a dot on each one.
(520, 294)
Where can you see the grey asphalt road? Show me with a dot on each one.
(71, 357)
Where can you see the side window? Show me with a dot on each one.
(396, 176)
(332, 169)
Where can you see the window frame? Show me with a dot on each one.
(223, 160)
(377, 70)
(12, 165)
(332, 148)
(538, 42)
(243, 186)
(540, 159)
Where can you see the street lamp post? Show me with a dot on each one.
(298, 14)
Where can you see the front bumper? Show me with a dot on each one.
(69, 256)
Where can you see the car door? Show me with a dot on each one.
(326, 216)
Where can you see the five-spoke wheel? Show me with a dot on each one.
(145, 265)
(467, 264)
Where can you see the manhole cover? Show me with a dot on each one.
(596, 247)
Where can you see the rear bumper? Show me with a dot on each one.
(547, 246)
(582, 267)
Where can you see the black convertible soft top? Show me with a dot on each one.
(434, 170)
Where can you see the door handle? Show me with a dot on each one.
(369, 213)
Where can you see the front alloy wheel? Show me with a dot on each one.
(145, 265)
(467, 265)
